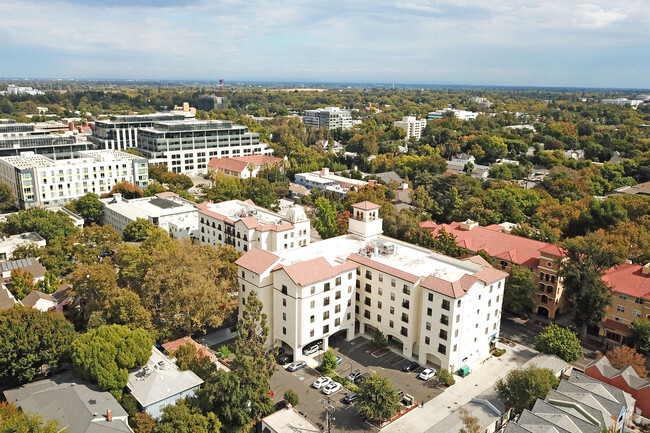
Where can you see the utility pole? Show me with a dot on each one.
(328, 419)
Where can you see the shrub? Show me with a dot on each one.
(498, 352)
(446, 377)
(291, 397)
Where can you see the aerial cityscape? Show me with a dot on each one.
(406, 217)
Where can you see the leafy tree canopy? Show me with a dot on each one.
(556, 340)
(377, 398)
(45, 222)
(7, 198)
(623, 356)
(522, 387)
(639, 336)
(138, 230)
(519, 290)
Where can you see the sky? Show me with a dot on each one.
(591, 43)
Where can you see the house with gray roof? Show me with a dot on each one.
(78, 406)
(161, 383)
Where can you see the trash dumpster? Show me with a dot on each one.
(464, 371)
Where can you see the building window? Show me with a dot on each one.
(381, 278)
(442, 349)
(620, 308)
(430, 297)
(404, 331)
(406, 290)
(379, 304)
(312, 304)
(444, 319)
(337, 309)
(357, 297)
(367, 301)
(337, 322)
(455, 347)
(636, 313)
(349, 275)
(243, 288)
(326, 329)
(337, 295)
(458, 303)
(490, 303)
(368, 288)
(366, 314)
(428, 326)
(456, 333)
(392, 296)
(284, 289)
(392, 310)
(405, 318)
(284, 302)
(338, 281)
(378, 318)
(326, 287)
(312, 318)
(427, 340)
(284, 316)
(313, 289)
(639, 301)
(311, 333)
(243, 274)
(284, 330)
(405, 304)
(392, 282)
(391, 324)
(457, 318)
(446, 305)
(429, 312)
(326, 301)
(326, 315)
(368, 275)
(442, 334)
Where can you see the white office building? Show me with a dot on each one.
(326, 181)
(459, 114)
(328, 117)
(245, 225)
(177, 216)
(187, 146)
(9, 244)
(40, 181)
(412, 126)
(481, 102)
(121, 132)
(24, 137)
(623, 101)
(440, 310)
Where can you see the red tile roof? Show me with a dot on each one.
(454, 289)
(366, 205)
(238, 163)
(384, 268)
(257, 260)
(490, 275)
(629, 280)
(201, 351)
(512, 248)
(314, 270)
(613, 324)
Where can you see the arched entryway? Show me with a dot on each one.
(542, 311)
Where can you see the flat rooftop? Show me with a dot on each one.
(237, 209)
(33, 160)
(15, 240)
(289, 421)
(150, 207)
(387, 251)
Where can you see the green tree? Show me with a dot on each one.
(22, 283)
(639, 336)
(224, 395)
(92, 286)
(291, 397)
(104, 355)
(522, 387)
(189, 358)
(14, 420)
(379, 340)
(89, 207)
(377, 398)
(46, 223)
(519, 290)
(29, 340)
(581, 271)
(49, 284)
(153, 188)
(446, 377)
(556, 340)
(328, 363)
(7, 198)
(127, 189)
(182, 418)
(253, 363)
(124, 307)
(138, 230)
(325, 222)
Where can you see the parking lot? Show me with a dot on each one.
(356, 355)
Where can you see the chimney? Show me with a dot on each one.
(325, 171)
(109, 415)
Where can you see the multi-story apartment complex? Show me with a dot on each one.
(177, 216)
(459, 114)
(443, 310)
(187, 146)
(412, 126)
(630, 286)
(328, 117)
(40, 181)
(22, 137)
(121, 132)
(506, 249)
(245, 225)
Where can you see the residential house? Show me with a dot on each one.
(630, 286)
(7, 299)
(39, 300)
(201, 351)
(287, 420)
(625, 379)
(161, 383)
(78, 406)
(541, 258)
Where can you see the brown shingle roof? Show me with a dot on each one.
(257, 260)
(33, 297)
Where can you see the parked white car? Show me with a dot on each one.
(331, 388)
(321, 382)
(427, 374)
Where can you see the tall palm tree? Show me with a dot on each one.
(212, 175)
(250, 167)
(286, 165)
(266, 167)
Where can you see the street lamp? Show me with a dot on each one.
(351, 366)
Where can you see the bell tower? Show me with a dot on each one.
(365, 221)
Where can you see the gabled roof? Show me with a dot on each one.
(257, 260)
(34, 296)
(455, 289)
(628, 279)
(80, 406)
(239, 163)
(314, 270)
(366, 205)
(628, 374)
(7, 299)
(505, 246)
(201, 351)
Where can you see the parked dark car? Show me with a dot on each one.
(359, 380)
(284, 359)
(349, 399)
(280, 405)
(411, 366)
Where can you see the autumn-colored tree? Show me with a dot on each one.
(623, 356)
(127, 189)
(22, 283)
(342, 222)
(92, 286)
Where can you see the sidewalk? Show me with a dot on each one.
(480, 379)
